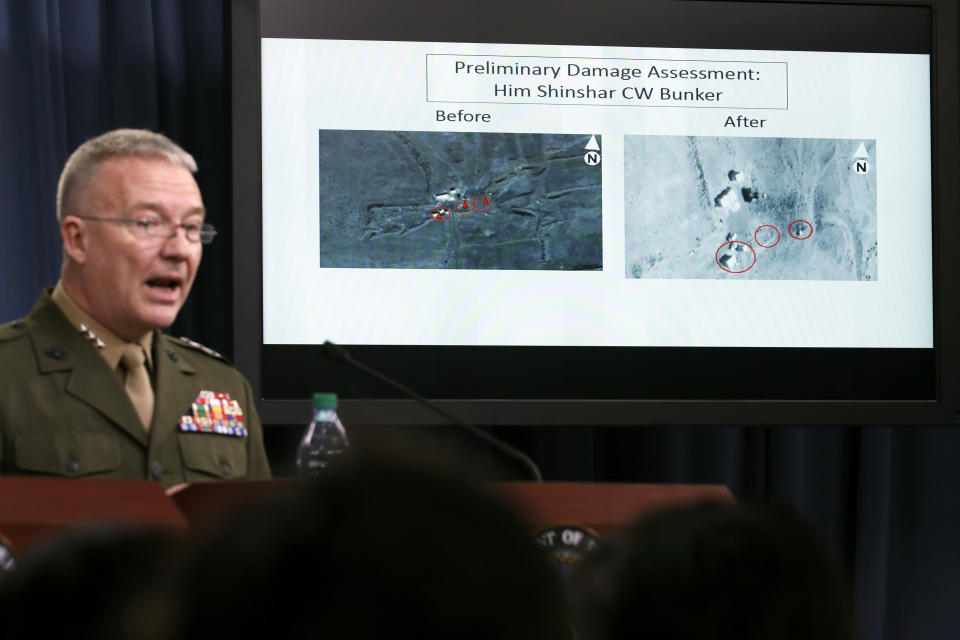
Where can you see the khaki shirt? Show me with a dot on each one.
(64, 412)
(111, 345)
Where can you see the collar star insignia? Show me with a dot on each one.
(91, 337)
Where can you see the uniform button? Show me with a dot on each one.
(225, 468)
(172, 355)
(73, 465)
(156, 470)
(55, 352)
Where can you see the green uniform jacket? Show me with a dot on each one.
(63, 412)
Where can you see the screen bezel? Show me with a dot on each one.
(900, 396)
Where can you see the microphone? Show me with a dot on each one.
(341, 355)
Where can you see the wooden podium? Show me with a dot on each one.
(603, 507)
(33, 508)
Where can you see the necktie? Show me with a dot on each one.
(137, 382)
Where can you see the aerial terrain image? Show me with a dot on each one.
(755, 208)
(444, 200)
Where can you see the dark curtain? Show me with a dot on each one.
(884, 498)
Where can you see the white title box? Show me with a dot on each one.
(622, 82)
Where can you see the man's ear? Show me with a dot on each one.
(73, 232)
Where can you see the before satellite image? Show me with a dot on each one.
(443, 200)
(755, 208)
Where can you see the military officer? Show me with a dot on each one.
(88, 385)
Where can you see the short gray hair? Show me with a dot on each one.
(84, 162)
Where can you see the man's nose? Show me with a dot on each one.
(177, 245)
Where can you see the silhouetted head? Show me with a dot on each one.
(375, 549)
(95, 582)
(713, 571)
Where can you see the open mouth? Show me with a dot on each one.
(166, 284)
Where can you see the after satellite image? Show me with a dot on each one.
(438, 200)
(755, 208)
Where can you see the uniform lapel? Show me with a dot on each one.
(58, 346)
(175, 383)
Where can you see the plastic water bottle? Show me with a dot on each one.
(325, 439)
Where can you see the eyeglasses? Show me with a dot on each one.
(163, 228)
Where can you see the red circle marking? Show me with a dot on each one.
(482, 203)
(731, 242)
(790, 230)
(766, 246)
(465, 205)
(438, 213)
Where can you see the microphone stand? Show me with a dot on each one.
(340, 354)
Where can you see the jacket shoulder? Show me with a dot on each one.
(193, 346)
(200, 355)
(16, 354)
(12, 331)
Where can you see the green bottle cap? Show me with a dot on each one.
(324, 401)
